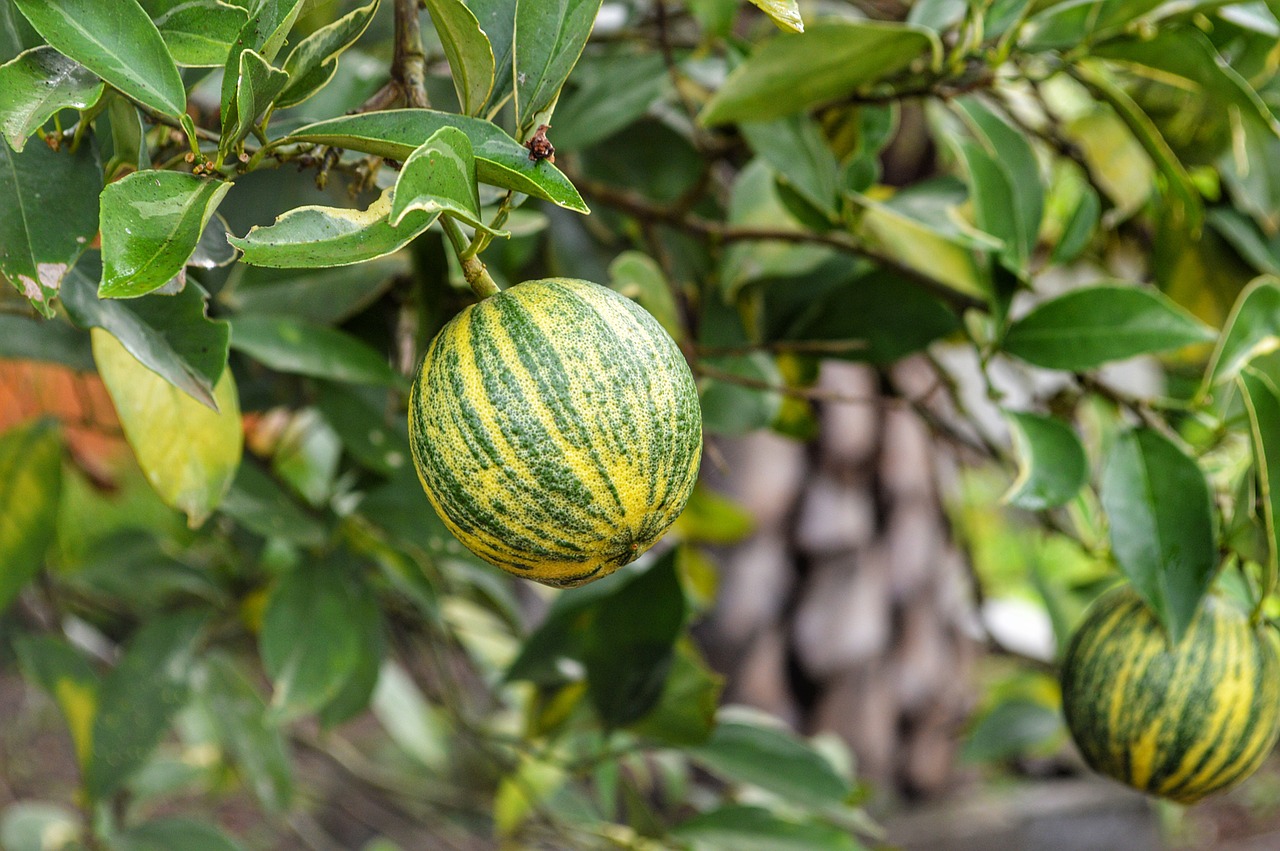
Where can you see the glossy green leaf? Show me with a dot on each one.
(311, 639)
(128, 143)
(1262, 403)
(258, 83)
(170, 335)
(468, 50)
(629, 647)
(139, 698)
(317, 237)
(1158, 506)
(294, 346)
(356, 693)
(188, 452)
(314, 61)
(261, 505)
(67, 677)
(166, 834)
(151, 224)
(1091, 326)
(497, 19)
(35, 825)
(795, 148)
(639, 277)
(768, 756)
(440, 177)
(1052, 466)
(50, 341)
(549, 37)
(1252, 329)
(232, 708)
(326, 296)
(1080, 228)
(265, 32)
(685, 713)
(918, 246)
(738, 827)
(30, 484)
(38, 83)
(116, 41)
(500, 160)
(833, 58)
(784, 13)
(50, 201)
(198, 33)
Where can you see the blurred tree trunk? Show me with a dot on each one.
(846, 611)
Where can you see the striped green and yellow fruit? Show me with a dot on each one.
(1179, 721)
(556, 430)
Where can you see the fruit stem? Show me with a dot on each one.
(473, 269)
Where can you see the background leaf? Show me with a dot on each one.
(315, 60)
(198, 33)
(1089, 327)
(784, 13)
(168, 833)
(151, 224)
(1253, 329)
(52, 214)
(30, 484)
(38, 83)
(1052, 466)
(116, 41)
(739, 827)
(188, 452)
(1262, 403)
(1161, 524)
(291, 345)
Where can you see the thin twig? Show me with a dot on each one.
(409, 63)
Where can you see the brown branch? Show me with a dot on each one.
(409, 63)
(640, 207)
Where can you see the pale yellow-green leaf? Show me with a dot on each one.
(785, 13)
(188, 452)
(940, 256)
(30, 482)
(79, 703)
(532, 783)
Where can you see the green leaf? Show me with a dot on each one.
(188, 452)
(685, 713)
(294, 346)
(796, 150)
(1068, 24)
(198, 33)
(1080, 229)
(50, 201)
(881, 317)
(629, 647)
(68, 678)
(712, 518)
(737, 827)
(51, 341)
(128, 142)
(548, 39)
(1012, 728)
(262, 506)
(326, 296)
(468, 50)
(265, 32)
(30, 485)
(258, 83)
(116, 41)
(314, 61)
(834, 58)
(37, 826)
(1262, 402)
(784, 13)
(306, 457)
(732, 407)
(639, 277)
(1252, 329)
(165, 834)
(921, 247)
(765, 755)
(421, 730)
(440, 177)
(38, 83)
(356, 693)
(1093, 325)
(395, 134)
(317, 237)
(362, 427)
(497, 19)
(151, 224)
(1052, 466)
(139, 698)
(1158, 505)
(311, 640)
(233, 709)
(171, 335)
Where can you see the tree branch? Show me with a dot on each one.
(409, 63)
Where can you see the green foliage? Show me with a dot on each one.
(221, 211)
